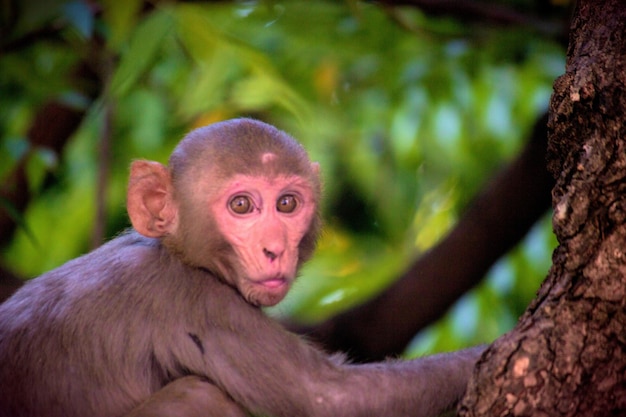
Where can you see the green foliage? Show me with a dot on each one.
(407, 127)
(494, 306)
(140, 55)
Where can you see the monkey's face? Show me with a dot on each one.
(239, 199)
(264, 219)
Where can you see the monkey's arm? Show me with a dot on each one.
(270, 371)
(425, 386)
(314, 386)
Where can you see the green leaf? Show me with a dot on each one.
(142, 51)
(146, 127)
(207, 88)
(262, 90)
(38, 164)
(435, 216)
(13, 150)
(196, 32)
(121, 17)
(19, 219)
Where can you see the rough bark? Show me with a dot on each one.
(490, 227)
(567, 355)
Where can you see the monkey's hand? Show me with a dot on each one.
(191, 396)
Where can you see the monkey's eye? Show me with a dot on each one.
(240, 204)
(286, 203)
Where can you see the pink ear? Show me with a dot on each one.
(150, 201)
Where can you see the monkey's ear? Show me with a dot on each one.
(315, 166)
(150, 200)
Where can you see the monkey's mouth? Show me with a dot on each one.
(273, 283)
(268, 292)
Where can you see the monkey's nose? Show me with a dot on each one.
(271, 255)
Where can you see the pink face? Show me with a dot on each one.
(264, 219)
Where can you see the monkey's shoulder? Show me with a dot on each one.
(116, 258)
(128, 273)
(129, 263)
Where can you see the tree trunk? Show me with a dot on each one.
(567, 355)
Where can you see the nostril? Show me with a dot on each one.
(271, 255)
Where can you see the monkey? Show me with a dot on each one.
(189, 396)
(167, 318)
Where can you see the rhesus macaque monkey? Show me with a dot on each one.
(165, 318)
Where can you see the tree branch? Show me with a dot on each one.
(486, 13)
(490, 227)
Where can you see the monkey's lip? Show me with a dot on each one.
(275, 282)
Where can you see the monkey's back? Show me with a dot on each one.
(79, 339)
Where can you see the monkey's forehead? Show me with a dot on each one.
(266, 164)
(280, 179)
(259, 186)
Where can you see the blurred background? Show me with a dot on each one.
(410, 109)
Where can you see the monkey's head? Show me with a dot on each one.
(239, 198)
